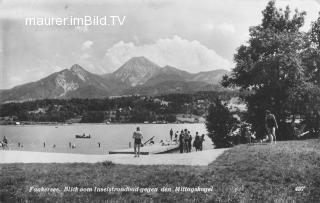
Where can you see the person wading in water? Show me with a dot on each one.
(137, 136)
(271, 126)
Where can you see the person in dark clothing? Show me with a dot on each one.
(196, 142)
(185, 140)
(171, 134)
(189, 141)
(181, 141)
(271, 126)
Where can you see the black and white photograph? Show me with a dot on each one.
(160, 101)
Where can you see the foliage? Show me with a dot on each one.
(219, 123)
(135, 109)
(93, 117)
(275, 66)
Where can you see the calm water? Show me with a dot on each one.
(110, 136)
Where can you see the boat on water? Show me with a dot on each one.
(83, 136)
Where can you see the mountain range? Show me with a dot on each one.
(136, 76)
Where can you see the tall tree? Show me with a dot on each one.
(270, 66)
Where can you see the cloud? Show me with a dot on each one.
(224, 28)
(86, 45)
(188, 55)
(22, 13)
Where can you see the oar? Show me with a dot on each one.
(148, 140)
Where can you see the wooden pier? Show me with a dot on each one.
(148, 149)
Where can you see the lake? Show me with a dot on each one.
(111, 137)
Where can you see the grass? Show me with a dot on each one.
(260, 173)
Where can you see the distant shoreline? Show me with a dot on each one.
(66, 124)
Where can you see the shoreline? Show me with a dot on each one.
(73, 124)
(202, 158)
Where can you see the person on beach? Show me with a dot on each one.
(271, 126)
(5, 140)
(196, 142)
(201, 142)
(171, 134)
(185, 141)
(137, 136)
(44, 144)
(181, 141)
(176, 136)
(69, 144)
(99, 144)
(189, 141)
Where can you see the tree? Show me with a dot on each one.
(219, 123)
(171, 118)
(271, 66)
(93, 117)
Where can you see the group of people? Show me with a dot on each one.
(245, 129)
(185, 141)
(4, 142)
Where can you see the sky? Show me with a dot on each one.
(192, 35)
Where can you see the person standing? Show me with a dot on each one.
(189, 141)
(181, 141)
(185, 140)
(171, 134)
(271, 126)
(196, 142)
(201, 142)
(137, 136)
(176, 136)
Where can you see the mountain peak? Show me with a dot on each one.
(136, 71)
(167, 67)
(139, 58)
(139, 61)
(76, 67)
(77, 70)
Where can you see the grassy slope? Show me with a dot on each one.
(262, 173)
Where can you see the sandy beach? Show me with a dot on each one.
(195, 158)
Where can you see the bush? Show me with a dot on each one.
(219, 123)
